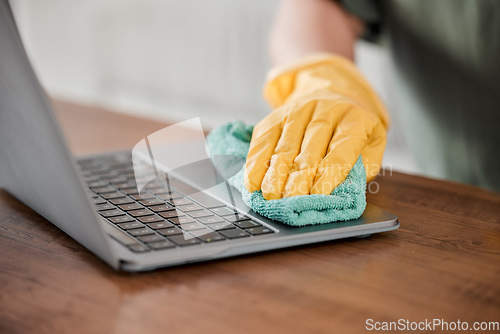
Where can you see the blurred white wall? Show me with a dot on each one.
(170, 59)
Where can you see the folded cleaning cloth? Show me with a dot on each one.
(347, 201)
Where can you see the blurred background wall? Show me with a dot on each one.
(172, 59)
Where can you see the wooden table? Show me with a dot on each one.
(444, 262)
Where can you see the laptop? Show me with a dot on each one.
(171, 218)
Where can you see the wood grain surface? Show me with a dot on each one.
(444, 262)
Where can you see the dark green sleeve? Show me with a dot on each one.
(369, 11)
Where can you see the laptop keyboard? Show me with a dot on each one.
(160, 217)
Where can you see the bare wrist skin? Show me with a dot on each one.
(302, 27)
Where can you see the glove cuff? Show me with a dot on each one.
(281, 80)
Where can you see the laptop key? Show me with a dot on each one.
(160, 225)
(171, 214)
(211, 220)
(121, 219)
(163, 207)
(99, 201)
(140, 231)
(129, 175)
(181, 201)
(102, 190)
(112, 213)
(150, 219)
(160, 191)
(200, 213)
(117, 179)
(131, 225)
(91, 178)
(259, 230)
(221, 226)
(170, 196)
(161, 245)
(234, 233)
(151, 238)
(246, 224)
(181, 240)
(142, 212)
(124, 185)
(102, 171)
(234, 218)
(224, 211)
(123, 200)
(131, 206)
(182, 220)
(156, 183)
(189, 207)
(116, 194)
(141, 197)
(107, 175)
(170, 231)
(130, 191)
(207, 201)
(106, 206)
(152, 201)
(155, 186)
(211, 237)
(97, 184)
(193, 226)
(111, 175)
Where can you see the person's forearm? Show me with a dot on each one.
(302, 27)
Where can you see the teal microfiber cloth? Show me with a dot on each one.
(347, 201)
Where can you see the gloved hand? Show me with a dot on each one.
(325, 115)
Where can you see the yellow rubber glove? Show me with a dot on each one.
(326, 115)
